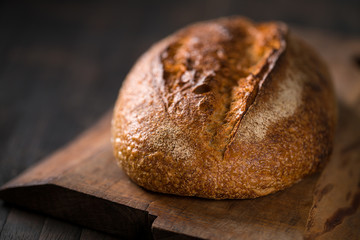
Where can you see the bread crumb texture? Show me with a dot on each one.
(224, 109)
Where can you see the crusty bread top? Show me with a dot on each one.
(219, 110)
(218, 67)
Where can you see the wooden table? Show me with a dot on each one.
(62, 65)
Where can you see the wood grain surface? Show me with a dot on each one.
(62, 64)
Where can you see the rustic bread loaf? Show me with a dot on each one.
(225, 109)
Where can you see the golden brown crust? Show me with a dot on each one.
(224, 109)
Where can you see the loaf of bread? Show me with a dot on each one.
(225, 109)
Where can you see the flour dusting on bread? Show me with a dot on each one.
(282, 104)
(170, 139)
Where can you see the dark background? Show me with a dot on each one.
(62, 64)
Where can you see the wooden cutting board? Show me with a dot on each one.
(82, 184)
